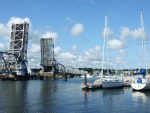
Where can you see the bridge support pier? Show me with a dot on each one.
(85, 80)
(65, 77)
(53, 76)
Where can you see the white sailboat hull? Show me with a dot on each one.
(112, 84)
(141, 86)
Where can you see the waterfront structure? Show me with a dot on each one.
(15, 59)
(18, 47)
(47, 53)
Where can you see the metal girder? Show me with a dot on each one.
(19, 41)
(61, 69)
(4, 60)
(16, 56)
(69, 69)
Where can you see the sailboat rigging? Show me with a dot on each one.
(142, 83)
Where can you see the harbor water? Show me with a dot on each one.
(59, 96)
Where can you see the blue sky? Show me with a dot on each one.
(77, 27)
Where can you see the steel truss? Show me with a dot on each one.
(16, 56)
(47, 53)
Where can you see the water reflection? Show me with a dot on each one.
(47, 96)
(86, 95)
(112, 92)
(141, 96)
(67, 97)
(14, 96)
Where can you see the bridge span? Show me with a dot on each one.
(14, 62)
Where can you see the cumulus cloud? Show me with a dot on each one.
(17, 20)
(35, 48)
(115, 44)
(3, 47)
(125, 32)
(74, 47)
(107, 32)
(92, 54)
(77, 29)
(136, 33)
(68, 56)
(89, 58)
(5, 29)
(57, 50)
(49, 34)
(4, 32)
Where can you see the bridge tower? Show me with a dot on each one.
(18, 47)
(47, 54)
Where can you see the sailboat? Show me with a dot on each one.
(142, 82)
(108, 82)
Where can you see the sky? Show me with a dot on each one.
(77, 27)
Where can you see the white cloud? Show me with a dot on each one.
(49, 34)
(68, 56)
(57, 50)
(18, 20)
(92, 54)
(74, 48)
(89, 58)
(77, 29)
(5, 29)
(119, 59)
(136, 33)
(34, 35)
(4, 32)
(122, 52)
(125, 32)
(115, 44)
(35, 48)
(107, 32)
(3, 47)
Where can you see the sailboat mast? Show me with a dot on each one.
(106, 27)
(143, 40)
(105, 42)
(103, 54)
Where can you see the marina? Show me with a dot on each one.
(78, 56)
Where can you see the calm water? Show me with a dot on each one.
(35, 96)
